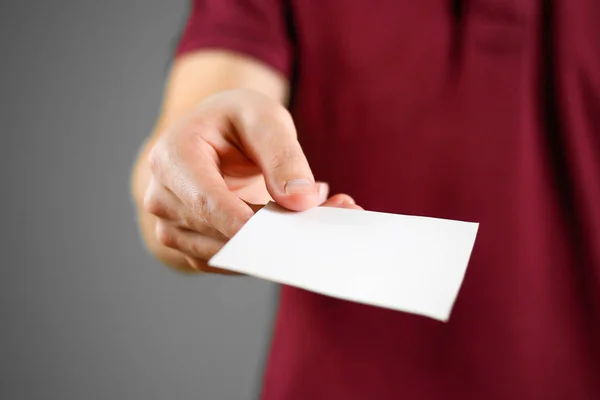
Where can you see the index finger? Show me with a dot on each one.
(192, 174)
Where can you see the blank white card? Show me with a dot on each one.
(406, 263)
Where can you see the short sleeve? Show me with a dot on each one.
(256, 28)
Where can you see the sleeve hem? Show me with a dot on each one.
(279, 62)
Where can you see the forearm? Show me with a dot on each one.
(193, 79)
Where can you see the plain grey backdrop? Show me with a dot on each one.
(85, 313)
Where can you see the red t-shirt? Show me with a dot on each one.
(480, 110)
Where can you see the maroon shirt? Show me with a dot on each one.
(480, 110)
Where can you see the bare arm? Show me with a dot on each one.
(193, 78)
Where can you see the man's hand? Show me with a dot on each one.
(236, 149)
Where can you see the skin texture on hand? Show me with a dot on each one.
(237, 148)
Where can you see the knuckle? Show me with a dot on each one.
(227, 225)
(285, 157)
(283, 116)
(153, 202)
(200, 205)
(162, 157)
(166, 236)
(197, 249)
(231, 223)
(154, 159)
(198, 264)
(267, 120)
(153, 205)
(192, 222)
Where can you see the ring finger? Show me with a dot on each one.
(186, 241)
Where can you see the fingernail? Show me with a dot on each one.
(343, 200)
(322, 188)
(299, 186)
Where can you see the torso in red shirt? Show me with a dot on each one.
(480, 110)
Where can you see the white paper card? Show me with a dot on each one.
(406, 263)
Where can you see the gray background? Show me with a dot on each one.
(85, 313)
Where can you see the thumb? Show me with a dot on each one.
(288, 176)
(278, 153)
(322, 189)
